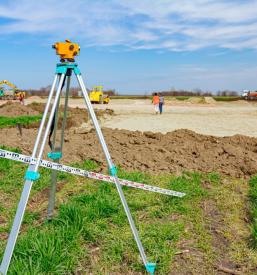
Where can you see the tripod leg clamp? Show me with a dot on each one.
(76, 70)
(61, 69)
(32, 175)
(54, 155)
(113, 171)
(150, 267)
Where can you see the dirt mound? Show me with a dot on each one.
(13, 109)
(196, 100)
(174, 152)
(35, 98)
(75, 116)
(210, 100)
(172, 100)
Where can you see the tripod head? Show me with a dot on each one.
(66, 50)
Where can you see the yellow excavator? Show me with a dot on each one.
(97, 95)
(14, 93)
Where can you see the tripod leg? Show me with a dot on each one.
(65, 110)
(52, 192)
(51, 116)
(31, 175)
(54, 150)
(44, 117)
(149, 266)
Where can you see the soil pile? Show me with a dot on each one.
(75, 116)
(174, 152)
(196, 100)
(210, 100)
(35, 98)
(12, 109)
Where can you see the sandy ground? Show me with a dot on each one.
(214, 118)
(175, 151)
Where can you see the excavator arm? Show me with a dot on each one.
(15, 93)
(6, 82)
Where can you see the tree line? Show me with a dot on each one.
(197, 92)
(76, 91)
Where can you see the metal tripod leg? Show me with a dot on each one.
(30, 176)
(112, 169)
(54, 149)
(52, 191)
(42, 124)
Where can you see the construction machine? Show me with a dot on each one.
(97, 95)
(13, 93)
(249, 95)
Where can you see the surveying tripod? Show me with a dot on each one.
(63, 72)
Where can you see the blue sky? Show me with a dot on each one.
(134, 46)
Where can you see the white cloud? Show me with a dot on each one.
(177, 25)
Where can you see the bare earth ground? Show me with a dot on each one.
(184, 149)
(208, 117)
(173, 152)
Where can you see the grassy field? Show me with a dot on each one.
(217, 98)
(227, 98)
(146, 97)
(90, 232)
(253, 209)
(13, 121)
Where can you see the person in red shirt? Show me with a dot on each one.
(156, 101)
(21, 98)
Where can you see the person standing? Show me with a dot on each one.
(161, 103)
(21, 98)
(156, 101)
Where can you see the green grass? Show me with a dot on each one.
(182, 97)
(227, 98)
(217, 98)
(91, 217)
(90, 233)
(253, 208)
(131, 97)
(148, 97)
(13, 121)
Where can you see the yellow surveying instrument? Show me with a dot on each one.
(67, 50)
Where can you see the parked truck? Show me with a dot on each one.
(249, 95)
